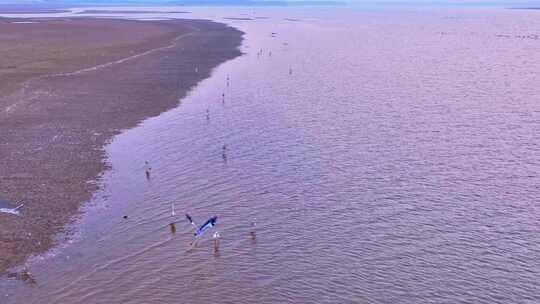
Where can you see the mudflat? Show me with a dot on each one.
(130, 12)
(67, 86)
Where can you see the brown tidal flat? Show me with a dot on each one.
(67, 86)
(130, 12)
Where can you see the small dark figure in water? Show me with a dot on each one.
(207, 114)
(25, 276)
(290, 71)
(173, 227)
(125, 217)
(147, 169)
(224, 152)
(228, 80)
(223, 98)
(28, 277)
(252, 232)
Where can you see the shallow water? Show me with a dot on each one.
(4, 204)
(386, 157)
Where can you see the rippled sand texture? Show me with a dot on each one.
(386, 156)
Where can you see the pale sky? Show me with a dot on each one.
(150, 2)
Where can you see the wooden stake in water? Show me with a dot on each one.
(216, 237)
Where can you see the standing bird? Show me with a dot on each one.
(190, 219)
(224, 153)
(147, 169)
(252, 232)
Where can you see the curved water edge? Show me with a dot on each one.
(193, 64)
(73, 232)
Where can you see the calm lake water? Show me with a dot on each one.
(385, 156)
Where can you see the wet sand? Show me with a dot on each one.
(67, 86)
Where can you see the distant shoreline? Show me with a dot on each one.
(525, 8)
(64, 94)
(31, 11)
(105, 12)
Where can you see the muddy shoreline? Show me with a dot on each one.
(67, 87)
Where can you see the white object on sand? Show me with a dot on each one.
(14, 211)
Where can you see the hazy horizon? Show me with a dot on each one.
(60, 3)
